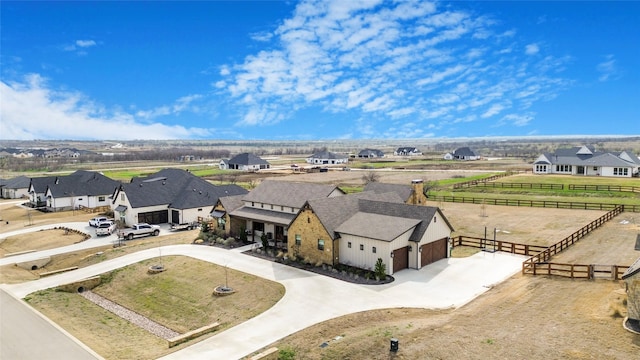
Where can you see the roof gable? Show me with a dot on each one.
(247, 159)
(290, 194)
(376, 226)
(403, 191)
(82, 182)
(176, 188)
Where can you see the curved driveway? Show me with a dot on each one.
(310, 298)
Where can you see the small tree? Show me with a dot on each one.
(243, 235)
(380, 269)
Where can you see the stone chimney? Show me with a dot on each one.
(418, 197)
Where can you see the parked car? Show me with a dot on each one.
(141, 229)
(97, 220)
(106, 228)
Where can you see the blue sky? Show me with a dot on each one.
(313, 70)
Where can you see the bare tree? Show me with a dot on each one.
(370, 177)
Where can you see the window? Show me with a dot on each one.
(271, 206)
(253, 204)
(298, 239)
(100, 198)
(373, 249)
(541, 168)
(595, 168)
(281, 208)
(200, 209)
(320, 244)
(349, 244)
(621, 171)
(221, 223)
(361, 247)
(563, 168)
(258, 226)
(435, 218)
(262, 205)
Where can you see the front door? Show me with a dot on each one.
(580, 170)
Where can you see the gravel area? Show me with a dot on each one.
(131, 316)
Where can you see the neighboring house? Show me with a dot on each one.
(407, 151)
(272, 205)
(245, 162)
(327, 158)
(413, 195)
(82, 189)
(463, 153)
(586, 161)
(631, 279)
(358, 229)
(15, 188)
(370, 153)
(169, 196)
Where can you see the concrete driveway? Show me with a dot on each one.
(311, 298)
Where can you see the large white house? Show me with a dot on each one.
(586, 161)
(168, 196)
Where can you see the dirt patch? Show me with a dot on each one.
(40, 240)
(521, 318)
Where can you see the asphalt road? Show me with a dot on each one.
(26, 334)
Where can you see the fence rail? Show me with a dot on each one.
(579, 271)
(541, 259)
(605, 188)
(505, 246)
(534, 203)
(488, 183)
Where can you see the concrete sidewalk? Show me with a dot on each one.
(311, 298)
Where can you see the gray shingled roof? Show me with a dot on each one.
(82, 182)
(464, 151)
(632, 270)
(286, 193)
(334, 211)
(247, 159)
(40, 184)
(376, 226)
(570, 156)
(178, 189)
(231, 203)
(403, 191)
(20, 182)
(264, 215)
(327, 155)
(369, 152)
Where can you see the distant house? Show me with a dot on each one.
(370, 153)
(407, 151)
(413, 194)
(83, 188)
(15, 188)
(168, 196)
(245, 162)
(463, 153)
(587, 161)
(359, 229)
(327, 158)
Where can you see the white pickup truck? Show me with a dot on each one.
(141, 229)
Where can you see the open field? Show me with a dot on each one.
(524, 317)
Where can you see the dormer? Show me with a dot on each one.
(584, 151)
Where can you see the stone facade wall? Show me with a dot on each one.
(309, 227)
(633, 296)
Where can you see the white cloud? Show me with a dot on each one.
(261, 36)
(607, 68)
(531, 49)
(32, 110)
(85, 43)
(401, 60)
